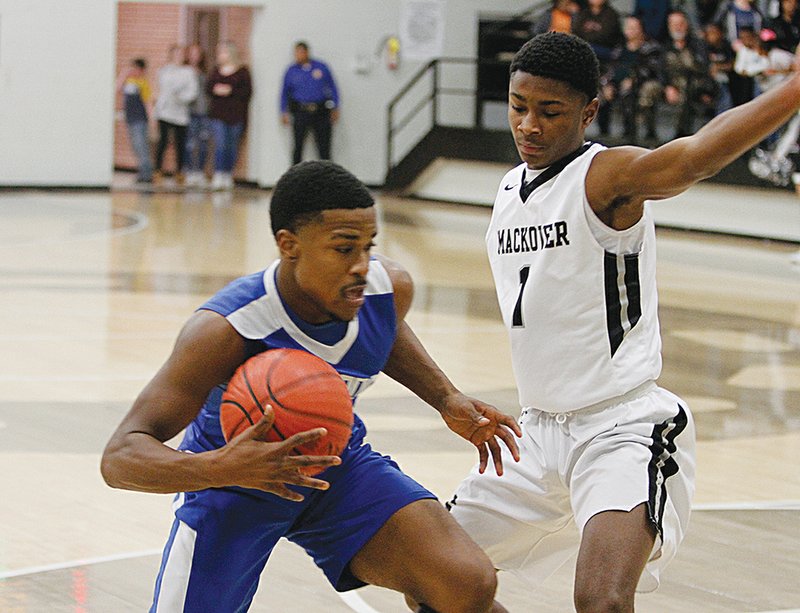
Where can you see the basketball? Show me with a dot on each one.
(304, 391)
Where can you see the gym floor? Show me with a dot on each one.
(96, 285)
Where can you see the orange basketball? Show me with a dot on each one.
(304, 391)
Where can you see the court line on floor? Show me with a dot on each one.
(140, 222)
(761, 505)
(355, 602)
(351, 599)
(74, 378)
(32, 570)
(776, 505)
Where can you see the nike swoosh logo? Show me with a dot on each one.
(509, 187)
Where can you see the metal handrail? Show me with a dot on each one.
(431, 67)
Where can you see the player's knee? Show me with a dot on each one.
(483, 588)
(472, 588)
(605, 601)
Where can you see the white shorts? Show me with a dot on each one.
(635, 449)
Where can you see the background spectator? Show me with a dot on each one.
(599, 25)
(688, 85)
(230, 88)
(558, 18)
(734, 16)
(135, 89)
(767, 63)
(781, 63)
(706, 9)
(751, 58)
(177, 88)
(199, 130)
(653, 15)
(309, 100)
(690, 10)
(786, 26)
(635, 79)
(720, 64)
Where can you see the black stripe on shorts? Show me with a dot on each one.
(662, 463)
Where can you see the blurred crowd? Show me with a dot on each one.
(679, 62)
(194, 106)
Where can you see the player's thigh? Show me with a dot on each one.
(522, 519)
(421, 549)
(365, 492)
(632, 487)
(645, 454)
(614, 550)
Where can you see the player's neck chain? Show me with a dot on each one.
(526, 189)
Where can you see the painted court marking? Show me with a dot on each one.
(355, 602)
(352, 599)
(46, 568)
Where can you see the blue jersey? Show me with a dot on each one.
(222, 537)
(311, 82)
(253, 306)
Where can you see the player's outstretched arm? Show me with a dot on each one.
(622, 178)
(410, 365)
(207, 352)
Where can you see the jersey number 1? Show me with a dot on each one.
(516, 319)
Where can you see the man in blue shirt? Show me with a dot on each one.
(309, 100)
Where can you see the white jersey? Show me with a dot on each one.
(579, 299)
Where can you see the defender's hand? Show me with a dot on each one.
(482, 424)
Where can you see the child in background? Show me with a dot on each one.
(135, 89)
(720, 64)
(198, 132)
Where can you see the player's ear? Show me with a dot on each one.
(590, 112)
(288, 244)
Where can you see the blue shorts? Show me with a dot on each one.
(221, 538)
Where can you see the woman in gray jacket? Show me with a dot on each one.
(177, 89)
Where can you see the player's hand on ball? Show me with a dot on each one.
(482, 424)
(271, 466)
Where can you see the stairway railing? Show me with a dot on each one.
(398, 121)
(431, 99)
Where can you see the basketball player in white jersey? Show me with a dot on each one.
(572, 249)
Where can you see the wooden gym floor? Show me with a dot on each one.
(94, 289)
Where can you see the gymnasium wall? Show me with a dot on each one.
(58, 66)
(56, 92)
(342, 33)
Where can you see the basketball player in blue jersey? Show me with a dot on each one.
(362, 520)
(571, 245)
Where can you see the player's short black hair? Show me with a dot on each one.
(302, 44)
(308, 188)
(562, 57)
(139, 62)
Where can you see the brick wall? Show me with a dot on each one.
(148, 30)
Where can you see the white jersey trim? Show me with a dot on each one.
(267, 314)
(249, 321)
